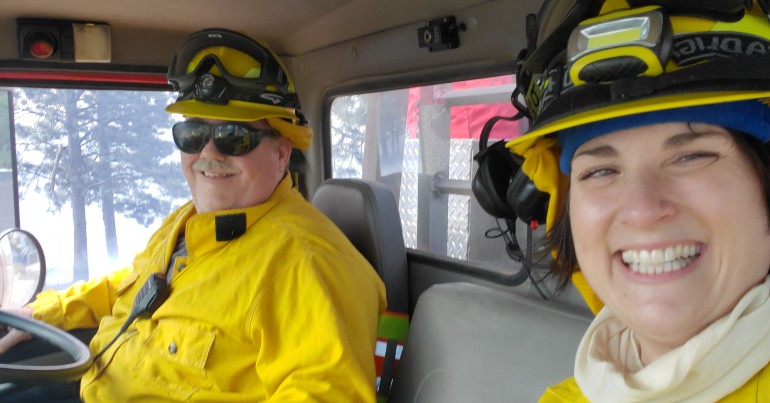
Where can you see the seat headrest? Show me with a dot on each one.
(367, 213)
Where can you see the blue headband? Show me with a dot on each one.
(750, 117)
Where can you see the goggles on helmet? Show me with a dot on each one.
(229, 138)
(213, 79)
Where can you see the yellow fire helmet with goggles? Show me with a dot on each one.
(592, 67)
(222, 74)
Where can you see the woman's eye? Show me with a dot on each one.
(699, 156)
(596, 173)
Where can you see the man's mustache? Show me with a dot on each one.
(213, 166)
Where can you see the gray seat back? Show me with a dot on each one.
(471, 343)
(367, 214)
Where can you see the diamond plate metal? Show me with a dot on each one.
(434, 139)
(407, 203)
(457, 228)
(411, 156)
(460, 159)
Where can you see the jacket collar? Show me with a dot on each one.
(202, 229)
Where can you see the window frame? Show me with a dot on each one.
(502, 272)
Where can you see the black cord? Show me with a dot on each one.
(123, 328)
(509, 237)
(513, 249)
(529, 264)
(148, 299)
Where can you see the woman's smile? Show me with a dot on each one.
(659, 261)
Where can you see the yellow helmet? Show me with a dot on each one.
(221, 74)
(605, 59)
(596, 66)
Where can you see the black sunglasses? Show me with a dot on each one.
(229, 138)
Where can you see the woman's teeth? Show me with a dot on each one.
(659, 261)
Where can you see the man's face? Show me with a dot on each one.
(222, 182)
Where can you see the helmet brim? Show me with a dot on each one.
(234, 110)
(281, 119)
(651, 104)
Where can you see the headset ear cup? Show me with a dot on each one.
(491, 180)
(529, 203)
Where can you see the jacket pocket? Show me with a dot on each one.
(175, 358)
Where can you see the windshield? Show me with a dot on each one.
(97, 170)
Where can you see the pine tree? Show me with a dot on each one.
(109, 148)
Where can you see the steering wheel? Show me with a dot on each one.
(22, 274)
(68, 343)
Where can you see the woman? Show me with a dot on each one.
(660, 215)
(669, 225)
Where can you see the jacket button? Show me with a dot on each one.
(172, 348)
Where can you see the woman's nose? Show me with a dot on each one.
(644, 200)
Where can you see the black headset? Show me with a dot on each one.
(502, 189)
(500, 186)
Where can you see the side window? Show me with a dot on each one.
(421, 141)
(97, 170)
(8, 206)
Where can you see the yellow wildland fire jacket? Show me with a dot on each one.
(286, 312)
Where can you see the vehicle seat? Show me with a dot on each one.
(473, 343)
(367, 214)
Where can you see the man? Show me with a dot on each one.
(266, 299)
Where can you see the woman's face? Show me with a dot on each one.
(670, 228)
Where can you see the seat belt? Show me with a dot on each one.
(392, 332)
